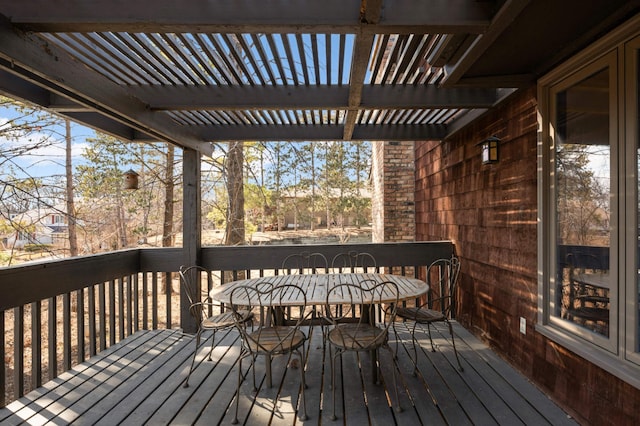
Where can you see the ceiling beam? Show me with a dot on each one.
(21, 90)
(361, 53)
(229, 98)
(42, 64)
(505, 16)
(321, 132)
(109, 126)
(251, 16)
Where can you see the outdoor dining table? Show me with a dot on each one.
(315, 287)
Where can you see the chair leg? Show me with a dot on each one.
(235, 418)
(213, 339)
(395, 333)
(304, 416)
(268, 367)
(193, 360)
(395, 384)
(414, 342)
(453, 342)
(433, 347)
(333, 383)
(253, 369)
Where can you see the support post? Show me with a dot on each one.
(191, 226)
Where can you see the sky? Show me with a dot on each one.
(49, 160)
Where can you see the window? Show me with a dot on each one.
(589, 208)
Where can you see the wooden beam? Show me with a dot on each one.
(505, 16)
(361, 54)
(18, 89)
(250, 16)
(399, 132)
(229, 98)
(42, 64)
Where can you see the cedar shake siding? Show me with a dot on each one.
(489, 211)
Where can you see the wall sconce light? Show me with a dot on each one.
(489, 148)
(130, 179)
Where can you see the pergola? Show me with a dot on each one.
(197, 72)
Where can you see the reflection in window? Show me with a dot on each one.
(582, 203)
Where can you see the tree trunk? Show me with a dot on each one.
(167, 224)
(235, 188)
(71, 210)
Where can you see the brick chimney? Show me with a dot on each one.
(392, 203)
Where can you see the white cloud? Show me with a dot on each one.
(44, 160)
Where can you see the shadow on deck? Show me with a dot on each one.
(139, 381)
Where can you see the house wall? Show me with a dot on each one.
(392, 202)
(489, 211)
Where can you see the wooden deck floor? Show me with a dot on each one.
(139, 381)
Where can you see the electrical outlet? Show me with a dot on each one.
(523, 325)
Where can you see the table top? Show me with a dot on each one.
(601, 280)
(315, 286)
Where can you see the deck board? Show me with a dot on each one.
(139, 381)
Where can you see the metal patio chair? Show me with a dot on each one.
(270, 338)
(353, 260)
(203, 309)
(442, 277)
(305, 262)
(361, 335)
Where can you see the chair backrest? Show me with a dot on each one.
(273, 302)
(305, 262)
(350, 260)
(580, 262)
(190, 279)
(343, 298)
(442, 277)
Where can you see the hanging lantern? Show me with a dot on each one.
(130, 179)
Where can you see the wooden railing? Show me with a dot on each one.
(56, 314)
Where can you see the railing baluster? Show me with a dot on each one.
(36, 345)
(18, 350)
(102, 323)
(136, 302)
(91, 309)
(112, 312)
(66, 331)
(53, 338)
(129, 317)
(154, 299)
(121, 297)
(145, 301)
(80, 325)
(168, 290)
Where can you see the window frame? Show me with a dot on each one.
(620, 353)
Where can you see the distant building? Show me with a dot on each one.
(298, 211)
(48, 226)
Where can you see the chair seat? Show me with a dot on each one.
(275, 339)
(422, 315)
(356, 337)
(225, 319)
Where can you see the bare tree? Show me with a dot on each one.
(71, 210)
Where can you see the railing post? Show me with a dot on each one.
(191, 229)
